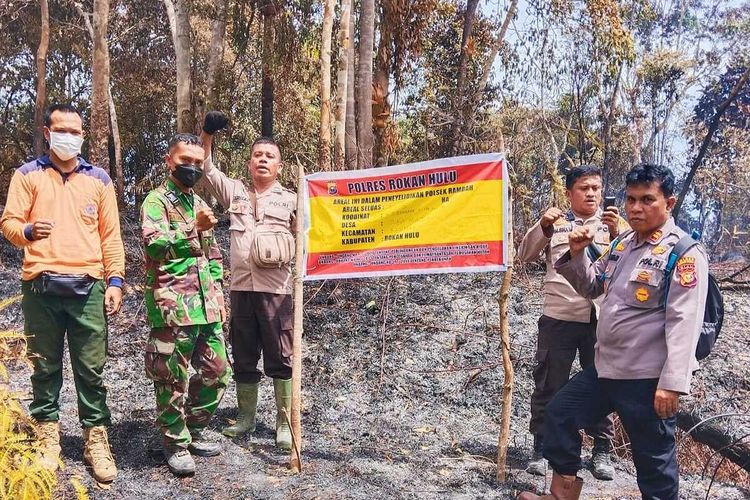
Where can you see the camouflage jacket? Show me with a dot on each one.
(183, 267)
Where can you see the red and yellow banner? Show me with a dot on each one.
(447, 215)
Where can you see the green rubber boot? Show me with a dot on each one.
(282, 389)
(247, 403)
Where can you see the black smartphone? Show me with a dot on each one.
(609, 201)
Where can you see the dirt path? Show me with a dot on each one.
(400, 400)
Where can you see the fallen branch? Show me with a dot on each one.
(460, 369)
(384, 315)
(731, 277)
(715, 438)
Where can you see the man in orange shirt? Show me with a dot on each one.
(63, 212)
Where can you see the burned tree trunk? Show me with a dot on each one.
(727, 446)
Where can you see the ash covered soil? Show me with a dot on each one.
(401, 397)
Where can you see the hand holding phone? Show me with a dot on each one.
(611, 216)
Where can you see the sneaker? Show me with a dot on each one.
(537, 464)
(202, 447)
(180, 461)
(601, 466)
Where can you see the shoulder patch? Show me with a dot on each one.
(686, 271)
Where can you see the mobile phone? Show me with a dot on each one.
(609, 201)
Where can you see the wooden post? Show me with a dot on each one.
(296, 458)
(507, 396)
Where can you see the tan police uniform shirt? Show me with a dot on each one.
(560, 299)
(274, 207)
(637, 336)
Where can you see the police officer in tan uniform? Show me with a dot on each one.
(262, 218)
(568, 322)
(646, 340)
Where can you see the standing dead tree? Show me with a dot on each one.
(324, 151)
(713, 126)
(178, 12)
(216, 50)
(113, 122)
(99, 126)
(365, 136)
(342, 84)
(41, 78)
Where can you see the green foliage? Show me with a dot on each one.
(611, 37)
(590, 81)
(21, 473)
(430, 103)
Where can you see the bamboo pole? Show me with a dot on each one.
(507, 395)
(296, 455)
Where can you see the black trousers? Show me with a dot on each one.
(586, 399)
(557, 345)
(261, 325)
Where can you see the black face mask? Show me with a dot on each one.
(187, 174)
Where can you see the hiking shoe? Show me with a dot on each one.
(180, 461)
(601, 466)
(601, 463)
(202, 447)
(97, 454)
(49, 441)
(537, 464)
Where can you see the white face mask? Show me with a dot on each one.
(65, 146)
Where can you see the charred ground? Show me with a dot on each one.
(401, 393)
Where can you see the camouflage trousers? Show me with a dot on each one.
(183, 405)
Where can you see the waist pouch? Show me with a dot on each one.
(63, 285)
(272, 248)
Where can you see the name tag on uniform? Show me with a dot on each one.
(651, 262)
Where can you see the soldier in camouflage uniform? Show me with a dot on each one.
(185, 307)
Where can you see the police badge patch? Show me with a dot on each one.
(686, 272)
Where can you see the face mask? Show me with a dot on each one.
(187, 174)
(64, 145)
